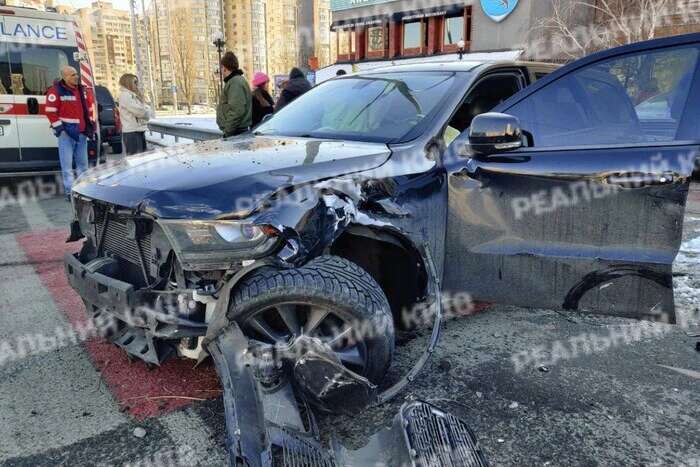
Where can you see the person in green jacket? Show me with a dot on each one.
(234, 114)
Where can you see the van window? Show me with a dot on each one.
(34, 69)
(4, 70)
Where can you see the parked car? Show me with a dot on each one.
(371, 195)
(110, 124)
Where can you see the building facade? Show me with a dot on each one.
(108, 36)
(183, 57)
(367, 30)
(273, 36)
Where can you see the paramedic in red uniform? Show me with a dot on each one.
(69, 108)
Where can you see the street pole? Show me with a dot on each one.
(219, 43)
(173, 82)
(135, 39)
(151, 83)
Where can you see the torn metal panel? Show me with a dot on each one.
(421, 435)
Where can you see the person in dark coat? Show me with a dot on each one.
(295, 87)
(262, 101)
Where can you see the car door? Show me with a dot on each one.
(34, 70)
(589, 216)
(9, 133)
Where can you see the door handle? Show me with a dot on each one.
(638, 180)
(32, 105)
(5, 122)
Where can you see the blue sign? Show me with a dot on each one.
(498, 10)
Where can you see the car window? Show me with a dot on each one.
(486, 95)
(103, 96)
(385, 107)
(635, 99)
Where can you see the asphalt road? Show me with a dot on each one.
(532, 392)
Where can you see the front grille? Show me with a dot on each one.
(117, 242)
(440, 439)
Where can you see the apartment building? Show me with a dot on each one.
(274, 35)
(108, 36)
(184, 59)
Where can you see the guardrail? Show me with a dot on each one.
(183, 130)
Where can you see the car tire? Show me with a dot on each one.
(328, 282)
(116, 148)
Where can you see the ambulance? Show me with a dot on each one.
(34, 47)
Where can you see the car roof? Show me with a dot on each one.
(459, 66)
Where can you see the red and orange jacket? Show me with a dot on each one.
(70, 109)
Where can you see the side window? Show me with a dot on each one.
(5, 75)
(481, 99)
(34, 69)
(635, 99)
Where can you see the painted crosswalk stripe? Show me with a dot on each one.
(35, 216)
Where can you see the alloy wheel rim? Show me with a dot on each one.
(281, 323)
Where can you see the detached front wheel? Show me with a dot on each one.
(329, 298)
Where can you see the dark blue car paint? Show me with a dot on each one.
(421, 193)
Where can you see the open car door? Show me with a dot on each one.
(588, 216)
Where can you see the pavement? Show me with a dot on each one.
(537, 387)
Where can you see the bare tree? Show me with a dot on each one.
(578, 27)
(184, 58)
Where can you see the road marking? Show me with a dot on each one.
(683, 371)
(35, 215)
(142, 392)
(48, 388)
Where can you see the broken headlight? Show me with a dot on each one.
(201, 245)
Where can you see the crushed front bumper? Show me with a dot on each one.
(139, 319)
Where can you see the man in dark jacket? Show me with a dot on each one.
(235, 110)
(295, 87)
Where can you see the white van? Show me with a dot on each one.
(34, 46)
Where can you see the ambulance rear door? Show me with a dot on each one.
(41, 48)
(9, 136)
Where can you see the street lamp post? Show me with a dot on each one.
(219, 43)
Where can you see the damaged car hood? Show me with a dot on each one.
(214, 178)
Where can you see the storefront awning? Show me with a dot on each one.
(400, 16)
(358, 22)
(442, 10)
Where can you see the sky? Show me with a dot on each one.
(119, 4)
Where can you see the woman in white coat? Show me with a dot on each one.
(134, 113)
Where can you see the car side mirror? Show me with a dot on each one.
(493, 133)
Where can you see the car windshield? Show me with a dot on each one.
(388, 107)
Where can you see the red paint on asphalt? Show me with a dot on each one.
(138, 390)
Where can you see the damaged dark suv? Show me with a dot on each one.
(305, 243)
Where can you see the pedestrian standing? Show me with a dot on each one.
(234, 114)
(295, 87)
(134, 113)
(69, 108)
(262, 101)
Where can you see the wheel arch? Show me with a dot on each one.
(392, 259)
